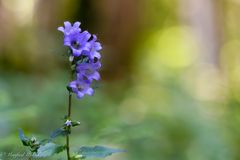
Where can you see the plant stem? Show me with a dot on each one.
(69, 116)
(69, 104)
(30, 157)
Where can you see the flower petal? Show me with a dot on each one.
(97, 46)
(67, 25)
(94, 38)
(61, 29)
(76, 24)
(76, 52)
(90, 91)
(96, 76)
(73, 84)
(80, 95)
(97, 55)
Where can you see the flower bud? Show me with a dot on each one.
(68, 123)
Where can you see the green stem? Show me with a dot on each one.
(30, 157)
(69, 117)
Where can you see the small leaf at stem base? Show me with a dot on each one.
(25, 140)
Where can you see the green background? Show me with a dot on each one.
(170, 87)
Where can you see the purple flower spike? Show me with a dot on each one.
(84, 58)
(80, 88)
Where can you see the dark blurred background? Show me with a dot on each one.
(170, 87)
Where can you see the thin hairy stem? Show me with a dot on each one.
(69, 127)
(69, 104)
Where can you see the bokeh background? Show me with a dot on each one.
(170, 87)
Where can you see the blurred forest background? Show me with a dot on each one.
(170, 86)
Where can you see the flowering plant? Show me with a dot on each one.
(85, 63)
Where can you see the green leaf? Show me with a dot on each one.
(77, 157)
(59, 132)
(25, 140)
(75, 123)
(44, 141)
(49, 149)
(97, 151)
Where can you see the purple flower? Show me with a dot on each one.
(81, 87)
(69, 28)
(88, 70)
(94, 48)
(75, 39)
(78, 42)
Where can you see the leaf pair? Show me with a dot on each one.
(40, 149)
(45, 148)
(63, 131)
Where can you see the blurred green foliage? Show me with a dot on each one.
(156, 99)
